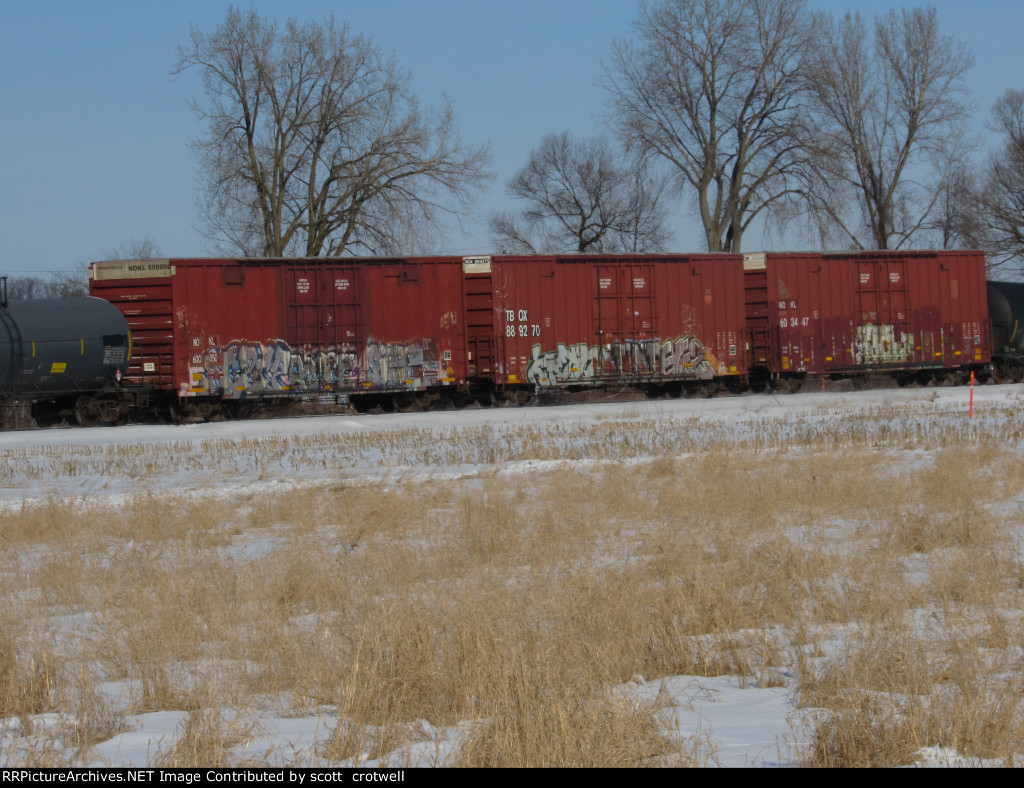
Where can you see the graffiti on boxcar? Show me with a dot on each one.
(400, 365)
(317, 369)
(253, 367)
(690, 321)
(687, 356)
(567, 362)
(244, 366)
(241, 368)
(684, 357)
(633, 357)
(879, 344)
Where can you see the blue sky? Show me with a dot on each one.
(95, 132)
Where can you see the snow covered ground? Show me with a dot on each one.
(206, 456)
(740, 723)
(741, 727)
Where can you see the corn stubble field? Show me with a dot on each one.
(513, 584)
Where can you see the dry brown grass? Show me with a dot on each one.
(568, 726)
(515, 603)
(28, 685)
(207, 737)
(933, 658)
(871, 731)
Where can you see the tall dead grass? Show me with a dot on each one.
(516, 603)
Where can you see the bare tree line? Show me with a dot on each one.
(855, 131)
(57, 284)
(891, 120)
(73, 283)
(581, 196)
(734, 111)
(738, 113)
(995, 221)
(316, 145)
(712, 91)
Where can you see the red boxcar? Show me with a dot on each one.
(244, 329)
(422, 328)
(585, 320)
(843, 313)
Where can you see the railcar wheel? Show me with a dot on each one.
(517, 397)
(46, 414)
(486, 400)
(405, 403)
(426, 401)
(459, 399)
(83, 414)
(703, 390)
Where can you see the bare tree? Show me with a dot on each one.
(1001, 198)
(25, 288)
(581, 197)
(641, 225)
(68, 284)
(316, 144)
(888, 126)
(135, 249)
(958, 220)
(56, 284)
(713, 88)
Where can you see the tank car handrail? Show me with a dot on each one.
(17, 351)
